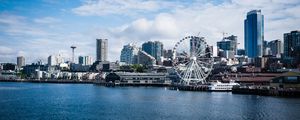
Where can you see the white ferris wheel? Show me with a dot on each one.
(192, 60)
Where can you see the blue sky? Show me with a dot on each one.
(39, 28)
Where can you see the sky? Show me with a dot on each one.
(36, 29)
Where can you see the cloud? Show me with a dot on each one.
(163, 26)
(33, 38)
(119, 7)
(6, 50)
(15, 25)
(211, 20)
(8, 19)
(46, 20)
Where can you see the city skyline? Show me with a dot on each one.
(59, 24)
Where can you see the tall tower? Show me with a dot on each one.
(101, 50)
(155, 49)
(20, 61)
(291, 43)
(254, 33)
(73, 49)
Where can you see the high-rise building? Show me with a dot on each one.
(197, 45)
(158, 50)
(20, 61)
(148, 47)
(228, 44)
(168, 53)
(128, 54)
(275, 48)
(52, 60)
(214, 50)
(81, 60)
(291, 44)
(154, 49)
(101, 49)
(89, 60)
(265, 48)
(85, 60)
(254, 33)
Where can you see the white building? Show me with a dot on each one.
(55, 60)
(52, 60)
(20, 61)
(214, 50)
(128, 54)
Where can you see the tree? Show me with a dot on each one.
(138, 68)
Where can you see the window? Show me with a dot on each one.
(136, 81)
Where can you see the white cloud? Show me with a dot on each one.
(19, 26)
(211, 20)
(46, 20)
(120, 7)
(6, 50)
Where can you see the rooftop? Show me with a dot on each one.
(254, 12)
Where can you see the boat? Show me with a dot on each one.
(219, 86)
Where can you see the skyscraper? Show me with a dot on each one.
(292, 44)
(158, 50)
(148, 47)
(196, 45)
(155, 49)
(20, 61)
(52, 60)
(254, 33)
(128, 54)
(228, 44)
(101, 49)
(85, 60)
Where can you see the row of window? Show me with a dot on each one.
(143, 78)
(224, 85)
(222, 88)
(136, 81)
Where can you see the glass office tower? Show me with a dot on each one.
(254, 34)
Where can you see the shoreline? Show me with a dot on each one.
(259, 92)
(51, 81)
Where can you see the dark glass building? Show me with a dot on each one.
(292, 47)
(240, 52)
(197, 45)
(228, 44)
(291, 43)
(155, 49)
(254, 33)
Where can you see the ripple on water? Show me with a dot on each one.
(12, 88)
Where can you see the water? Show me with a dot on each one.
(87, 101)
